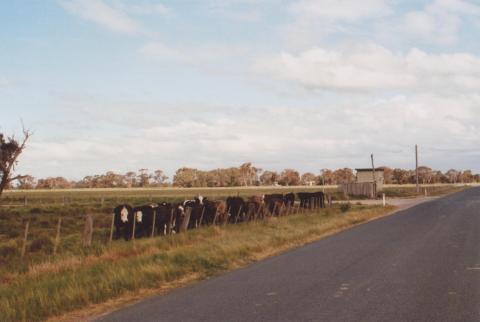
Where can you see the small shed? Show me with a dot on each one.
(365, 175)
(365, 185)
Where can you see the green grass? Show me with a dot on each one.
(74, 281)
(406, 191)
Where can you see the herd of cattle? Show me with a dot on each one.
(167, 218)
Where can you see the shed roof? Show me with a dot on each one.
(369, 169)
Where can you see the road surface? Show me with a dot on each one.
(421, 264)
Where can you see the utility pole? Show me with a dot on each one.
(373, 168)
(374, 179)
(416, 168)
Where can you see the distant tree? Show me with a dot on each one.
(268, 178)
(10, 150)
(131, 179)
(400, 176)
(289, 177)
(453, 175)
(143, 177)
(27, 182)
(185, 177)
(308, 178)
(387, 174)
(159, 178)
(467, 176)
(344, 175)
(326, 177)
(54, 183)
(425, 174)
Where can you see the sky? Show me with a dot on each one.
(307, 84)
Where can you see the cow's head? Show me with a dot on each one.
(181, 210)
(200, 199)
(124, 215)
(138, 216)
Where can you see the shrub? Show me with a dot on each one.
(41, 243)
(8, 251)
(35, 211)
(344, 207)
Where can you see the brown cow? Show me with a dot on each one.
(215, 212)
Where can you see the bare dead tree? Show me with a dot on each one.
(10, 150)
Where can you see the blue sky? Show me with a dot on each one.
(122, 85)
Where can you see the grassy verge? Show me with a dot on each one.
(74, 282)
(409, 191)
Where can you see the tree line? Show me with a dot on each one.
(244, 175)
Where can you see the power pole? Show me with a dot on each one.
(373, 168)
(374, 179)
(416, 168)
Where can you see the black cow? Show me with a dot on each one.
(197, 206)
(289, 199)
(237, 208)
(215, 212)
(123, 221)
(144, 219)
(311, 199)
(275, 203)
(165, 218)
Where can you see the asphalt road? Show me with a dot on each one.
(421, 264)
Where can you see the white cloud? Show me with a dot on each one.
(204, 56)
(103, 14)
(438, 22)
(346, 10)
(331, 134)
(144, 8)
(373, 67)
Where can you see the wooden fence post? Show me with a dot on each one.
(225, 220)
(25, 238)
(186, 219)
(384, 201)
(57, 237)
(153, 223)
(170, 222)
(25, 201)
(102, 201)
(133, 226)
(111, 228)
(88, 231)
(201, 217)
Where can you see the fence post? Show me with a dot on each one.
(170, 222)
(57, 237)
(133, 226)
(426, 192)
(25, 237)
(238, 213)
(153, 223)
(111, 228)
(88, 231)
(186, 219)
(63, 203)
(102, 201)
(25, 202)
(384, 201)
(225, 220)
(201, 217)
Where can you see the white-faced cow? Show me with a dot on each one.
(143, 216)
(123, 221)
